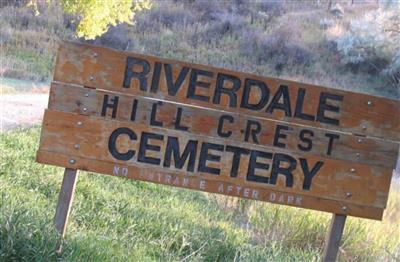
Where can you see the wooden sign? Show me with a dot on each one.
(220, 131)
(221, 89)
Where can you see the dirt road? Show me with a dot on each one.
(24, 109)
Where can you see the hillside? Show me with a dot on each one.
(299, 40)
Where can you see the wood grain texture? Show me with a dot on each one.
(61, 132)
(332, 240)
(353, 176)
(65, 199)
(204, 184)
(202, 121)
(104, 68)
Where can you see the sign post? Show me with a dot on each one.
(219, 131)
(332, 241)
(64, 204)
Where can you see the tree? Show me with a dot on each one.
(95, 16)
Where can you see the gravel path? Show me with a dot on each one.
(24, 110)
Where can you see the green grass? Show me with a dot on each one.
(115, 219)
(28, 64)
(13, 86)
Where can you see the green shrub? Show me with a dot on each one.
(277, 48)
(370, 44)
(393, 69)
(225, 24)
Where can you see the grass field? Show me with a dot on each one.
(115, 219)
(14, 86)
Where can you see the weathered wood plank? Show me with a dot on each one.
(89, 137)
(306, 104)
(171, 178)
(202, 121)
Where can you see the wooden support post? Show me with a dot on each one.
(332, 240)
(64, 204)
